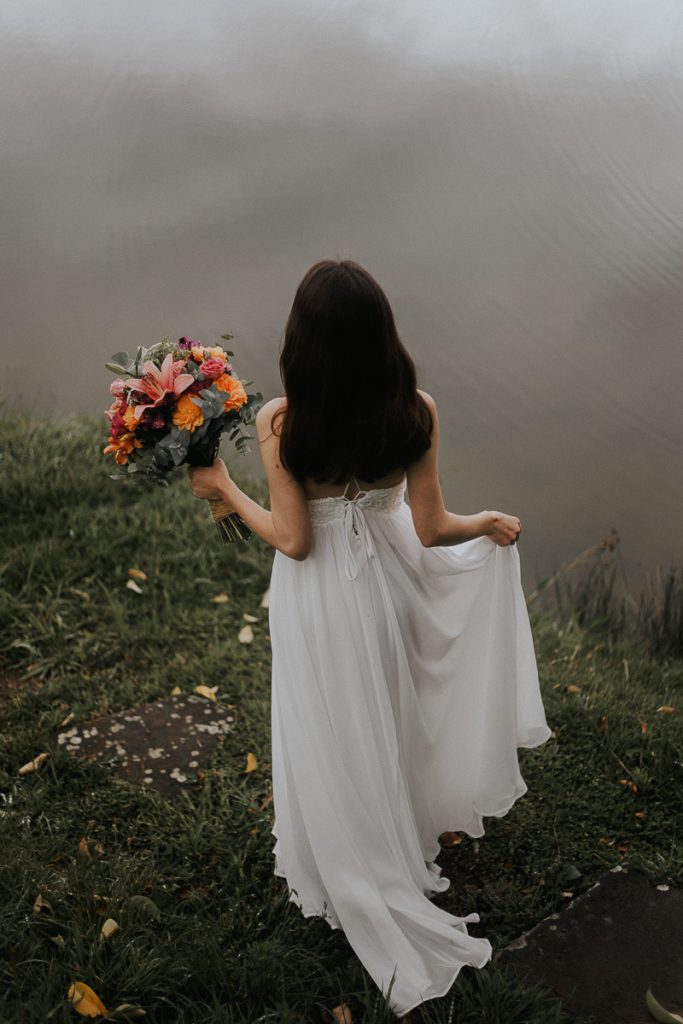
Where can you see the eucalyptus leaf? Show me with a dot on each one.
(116, 367)
(181, 434)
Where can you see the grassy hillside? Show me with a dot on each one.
(228, 945)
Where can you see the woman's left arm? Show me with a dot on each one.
(288, 524)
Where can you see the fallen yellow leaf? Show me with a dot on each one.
(572, 688)
(245, 635)
(206, 691)
(31, 766)
(250, 618)
(69, 718)
(265, 599)
(252, 763)
(132, 585)
(85, 1001)
(83, 847)
(109, 928)
(666, 708)
(137, 574)
(176, 691)
(221, 598)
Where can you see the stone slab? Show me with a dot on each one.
(161, 744)
(603, 952)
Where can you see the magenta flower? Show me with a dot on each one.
(156, 383)
(188, 343)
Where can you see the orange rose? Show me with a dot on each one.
(235, 389)
(187, 415)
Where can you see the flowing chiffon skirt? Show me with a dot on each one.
(403, 681)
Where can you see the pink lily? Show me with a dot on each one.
(157, 383)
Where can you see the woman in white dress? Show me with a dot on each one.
(403, 675)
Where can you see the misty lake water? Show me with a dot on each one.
(511, 174)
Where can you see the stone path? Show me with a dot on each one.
(603, 952)
(161, 744)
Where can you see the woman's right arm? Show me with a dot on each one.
(434, 525)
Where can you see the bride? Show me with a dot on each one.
(403, 669)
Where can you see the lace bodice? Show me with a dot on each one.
(378, 499)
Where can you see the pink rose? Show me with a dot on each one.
(117, 387)
(213, 368)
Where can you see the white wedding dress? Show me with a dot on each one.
(404, 679)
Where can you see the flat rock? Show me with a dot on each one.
(160, 744)
(603, 952)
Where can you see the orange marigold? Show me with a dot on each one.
(187, 415)
(235, 388)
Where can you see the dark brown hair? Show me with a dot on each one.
(352, 404)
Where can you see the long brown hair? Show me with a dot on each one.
(352, 404)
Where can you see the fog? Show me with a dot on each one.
(509, 173)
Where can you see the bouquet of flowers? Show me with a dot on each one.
(171, 410)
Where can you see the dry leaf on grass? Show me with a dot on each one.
(250, 618)
(245, 635)
(109, 928)
(447, 839)
(40, 903)
(666, 708)
(221, 598)
(132, 585)
(137, 574)
(252, 763)
(31, 766)
(206, 691)
(85, 1001)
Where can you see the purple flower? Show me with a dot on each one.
(188, 343)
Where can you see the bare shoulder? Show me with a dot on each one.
(429, 401)
(265, 415)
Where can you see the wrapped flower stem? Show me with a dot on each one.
(230, 524)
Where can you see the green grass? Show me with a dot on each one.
(228, 945)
